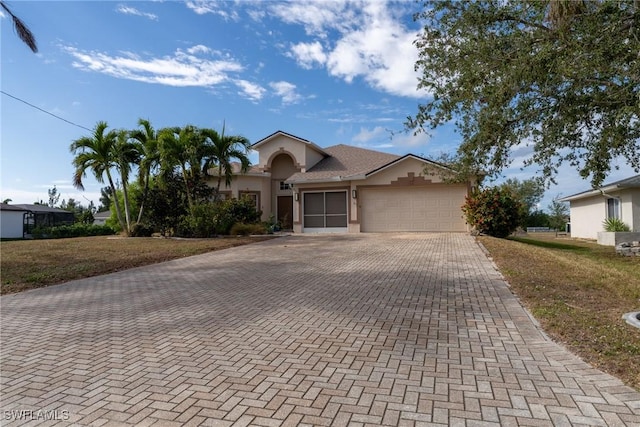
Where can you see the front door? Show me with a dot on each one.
(285, 212)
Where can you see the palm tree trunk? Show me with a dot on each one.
(219, 182)
(186, 184)
(127, 214)
(115, 202)
(145, 192)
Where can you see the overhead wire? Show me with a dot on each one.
(45, 111)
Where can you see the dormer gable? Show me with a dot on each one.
(304, 153)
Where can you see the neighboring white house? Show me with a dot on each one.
(19, 220)
(100, 218)
(12, 221)
(620, 199)
(349, 189)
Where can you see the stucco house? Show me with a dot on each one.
(17, 221)
(349, 189)
(588, 209)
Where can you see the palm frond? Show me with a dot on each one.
(24, 33)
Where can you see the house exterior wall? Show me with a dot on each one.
(303, 154)
(403, 169)
(407, 173)
(630, 211)
(253, 184)
(311, 157)
(587, 216)
(635, 206)
(11, 224)
(410, 172)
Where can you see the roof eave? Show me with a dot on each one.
(315, 181)
(304, 141)
(594, 192)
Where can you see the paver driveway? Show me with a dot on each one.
(408, 329)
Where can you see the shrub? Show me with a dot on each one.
(75, 230)
(201, 222)
(231, 211)
(493, 211)
(242, 229)
(615, 224)
(141, 230)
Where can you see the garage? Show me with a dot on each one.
(421, 208)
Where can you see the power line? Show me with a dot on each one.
(45, 111)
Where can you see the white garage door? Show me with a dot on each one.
(412, 209)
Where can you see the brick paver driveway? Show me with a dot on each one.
(408, 329)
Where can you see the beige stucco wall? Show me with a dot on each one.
(402, 169)
(630, 207)
(408, 172)
(248, 183)
(303, 154)
(311, 157)
(588, 214)
(635, 202)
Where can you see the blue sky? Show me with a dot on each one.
(327, 71)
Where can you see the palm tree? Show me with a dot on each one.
(225, 148)
(97, 153)
(183, 148)
(126, 154)
(23, 31)
(147, 143)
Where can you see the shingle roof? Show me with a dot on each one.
(344, 161)
(8, 207)
(42, 208)
(102, 215)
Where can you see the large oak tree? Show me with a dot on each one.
(556, 80)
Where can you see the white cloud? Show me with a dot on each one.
(250, 90)
(365, 135)
(309, 54)
(287, 91)
(372, 43)
(202, 7)
(199, 48)
(408, 139)
(317, 18)
(182, 68)
(128, 10)
(382, 137)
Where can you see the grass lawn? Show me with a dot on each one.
(578, 291)
(29, 264)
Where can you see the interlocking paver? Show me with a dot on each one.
(393, 329)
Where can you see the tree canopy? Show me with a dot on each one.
(558, 81)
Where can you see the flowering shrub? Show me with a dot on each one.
(493, 211)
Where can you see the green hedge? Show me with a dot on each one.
(75, 230)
